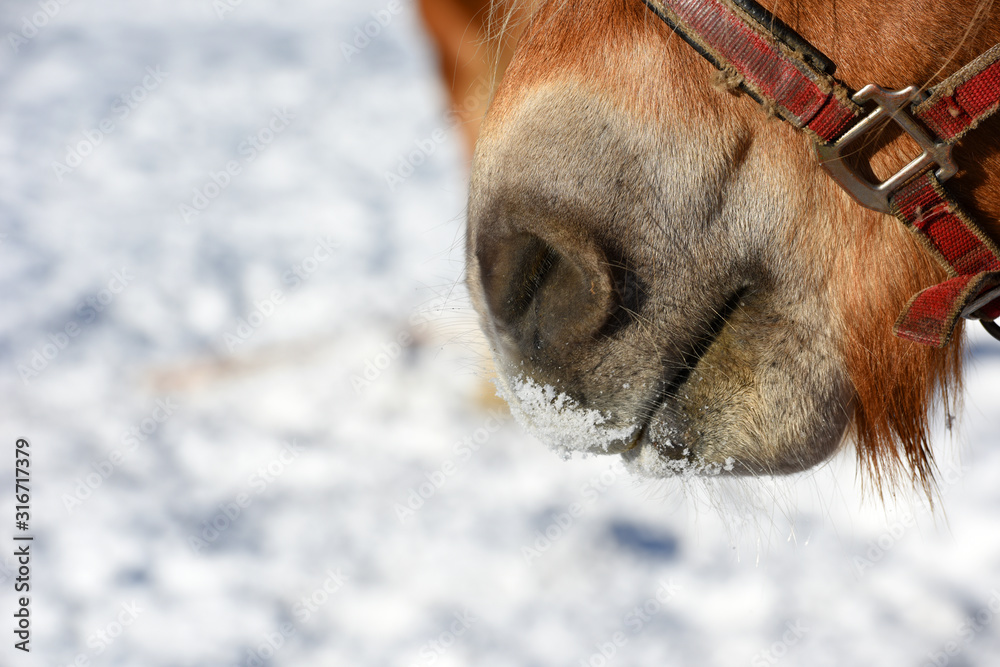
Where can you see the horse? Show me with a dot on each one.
(474, 40)
(666, 272)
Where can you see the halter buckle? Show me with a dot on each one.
(892, 105)
(982, 300)
(988, 297)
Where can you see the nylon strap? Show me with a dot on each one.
(773, 72)
(971, 258)
(778, 68)
(965, 99)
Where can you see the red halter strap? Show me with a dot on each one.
(759, 54)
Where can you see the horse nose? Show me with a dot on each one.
(545, 295)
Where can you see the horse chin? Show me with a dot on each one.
(753, 404)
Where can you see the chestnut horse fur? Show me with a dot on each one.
(656, 246)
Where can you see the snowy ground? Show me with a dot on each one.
(212, 485)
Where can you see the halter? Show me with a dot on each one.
(787, 75)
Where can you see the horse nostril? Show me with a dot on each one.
(543, 296)
(512, 274)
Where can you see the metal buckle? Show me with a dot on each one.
(892, 105)
(983, 299)
(992, 328)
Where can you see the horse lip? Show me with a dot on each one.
(689, 362)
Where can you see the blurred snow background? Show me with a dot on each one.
(214, 485)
